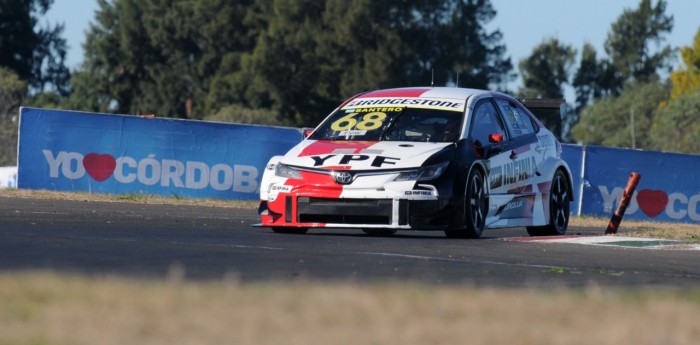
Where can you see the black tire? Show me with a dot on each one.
(559, 209)
(476, 207)
(379, 232)
(294, 231)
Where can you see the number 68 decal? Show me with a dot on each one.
(370, 121)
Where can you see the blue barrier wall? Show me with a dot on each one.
(669, 189)
(99, 153)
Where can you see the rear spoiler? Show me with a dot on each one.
(547, 110)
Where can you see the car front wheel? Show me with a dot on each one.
(476, 207)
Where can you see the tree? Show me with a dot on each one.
(635, 55)
(628, 45)
(159, 56)
(546, 70)
(284, 66)
(587, 78)
(35, 54)
(295, 58)
(313, 54)
(449, 37)
(676, 127)
(608, 121)
(687, 78)
(12, 92)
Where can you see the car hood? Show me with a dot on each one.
(361, 155)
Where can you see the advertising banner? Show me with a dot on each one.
(669, 189)
(99, 153)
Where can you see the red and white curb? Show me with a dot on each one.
(611, 241)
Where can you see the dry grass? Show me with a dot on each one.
(43, 308)
(673, 231)
(135, 198)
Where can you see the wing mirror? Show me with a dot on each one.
(306, 132)
(496, 138)
(483, 151)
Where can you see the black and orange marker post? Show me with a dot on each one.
(624, 202)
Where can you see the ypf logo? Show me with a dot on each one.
(654, 203)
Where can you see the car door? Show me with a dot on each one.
(524, 159)
(492, 143)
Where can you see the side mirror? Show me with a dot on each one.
(496, 138)
(306, 132)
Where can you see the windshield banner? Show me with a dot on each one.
(428, 103)
(117, 154)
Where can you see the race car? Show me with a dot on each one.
(456, 160)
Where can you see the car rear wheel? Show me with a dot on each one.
(559, 209)
(476, 207)
(379, 232)
(285, 230)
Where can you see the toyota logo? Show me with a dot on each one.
(343, 177)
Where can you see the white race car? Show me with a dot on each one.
(432, 158)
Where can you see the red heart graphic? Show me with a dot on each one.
(100, 167)
(652, 202)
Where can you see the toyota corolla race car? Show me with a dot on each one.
(451, 159)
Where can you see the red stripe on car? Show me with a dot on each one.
(395, 93)
(325, 147)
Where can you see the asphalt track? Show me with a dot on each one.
(153, 241)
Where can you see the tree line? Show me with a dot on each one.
(289, 62)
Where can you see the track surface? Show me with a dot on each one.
(129, 239)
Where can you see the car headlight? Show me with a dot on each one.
(421, 174)
(283, 170)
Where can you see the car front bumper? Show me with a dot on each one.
(293, 210)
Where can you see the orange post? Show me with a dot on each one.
(622, 207)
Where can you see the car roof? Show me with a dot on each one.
(426, 92)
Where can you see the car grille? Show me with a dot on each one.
(344, 211)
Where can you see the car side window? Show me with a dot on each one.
(485, 122)
(518, 121)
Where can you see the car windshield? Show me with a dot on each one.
(391, 124)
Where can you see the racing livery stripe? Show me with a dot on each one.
(417, 92)
(323, 185)
(312, 184)
(324, 147)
